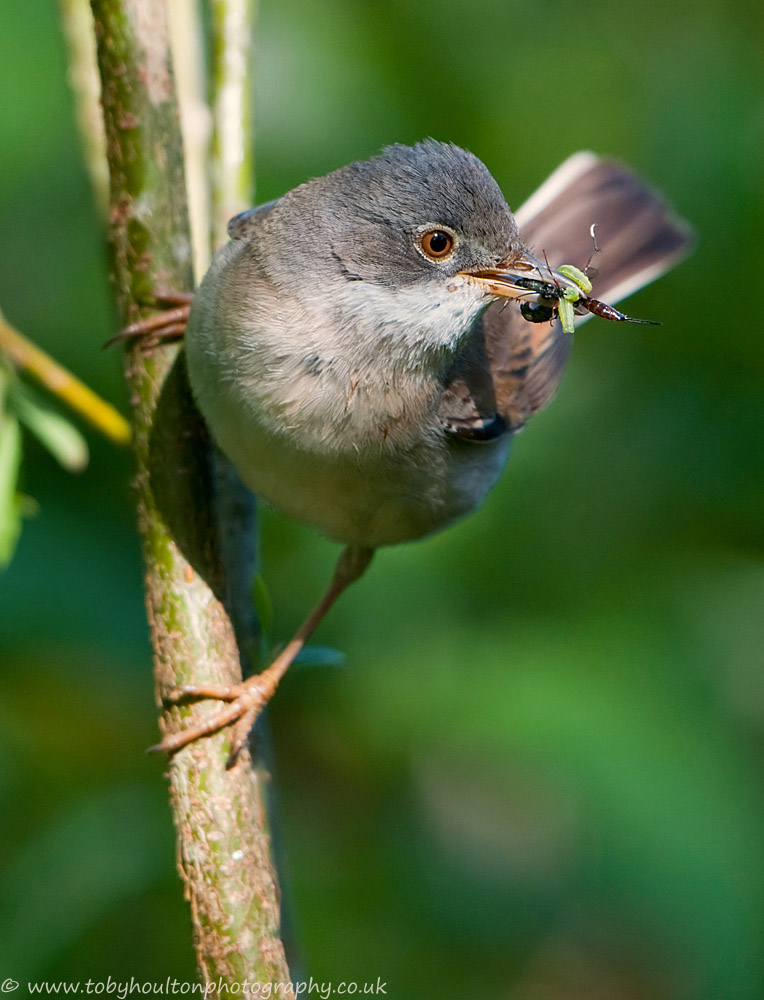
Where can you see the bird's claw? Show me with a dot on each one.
(245, 702)
(161, 328)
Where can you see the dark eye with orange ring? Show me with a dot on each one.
(437, 244)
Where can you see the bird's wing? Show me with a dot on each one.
(242, 226)
(640, 238)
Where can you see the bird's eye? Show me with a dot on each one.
(437, 244)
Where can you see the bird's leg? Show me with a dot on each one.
(162, 327)
(249, 697)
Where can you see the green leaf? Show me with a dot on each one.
(55, 432)
(320, 656)
(10, 462)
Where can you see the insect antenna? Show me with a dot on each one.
(589, 271)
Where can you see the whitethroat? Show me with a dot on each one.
(365, 348)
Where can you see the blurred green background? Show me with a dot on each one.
(539, 776)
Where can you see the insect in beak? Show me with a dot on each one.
(548, 294)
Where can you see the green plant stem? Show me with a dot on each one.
(32, 360)
(77, 25)
(232, 111)
(187, 40)
(220, 816)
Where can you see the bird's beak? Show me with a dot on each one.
(522, 275)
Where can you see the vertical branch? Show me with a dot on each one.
(220, 816)
(232, 110)
(77, 24)
(187, 44)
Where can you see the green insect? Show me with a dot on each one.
(577, 275)
(570, 296)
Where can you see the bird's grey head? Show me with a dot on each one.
(399, 247)
(412, 214)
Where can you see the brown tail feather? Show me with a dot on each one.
(639, 237)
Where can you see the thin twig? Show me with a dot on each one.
(77, 24)
(232, 111)
(187, 43)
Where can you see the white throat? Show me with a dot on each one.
(411, 328)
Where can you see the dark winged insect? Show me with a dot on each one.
(569, 299)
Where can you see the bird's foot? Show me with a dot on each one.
(247, 699)
(245, 702)
(161, 328)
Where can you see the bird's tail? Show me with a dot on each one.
(638, 234)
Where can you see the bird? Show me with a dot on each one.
(359, 352)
